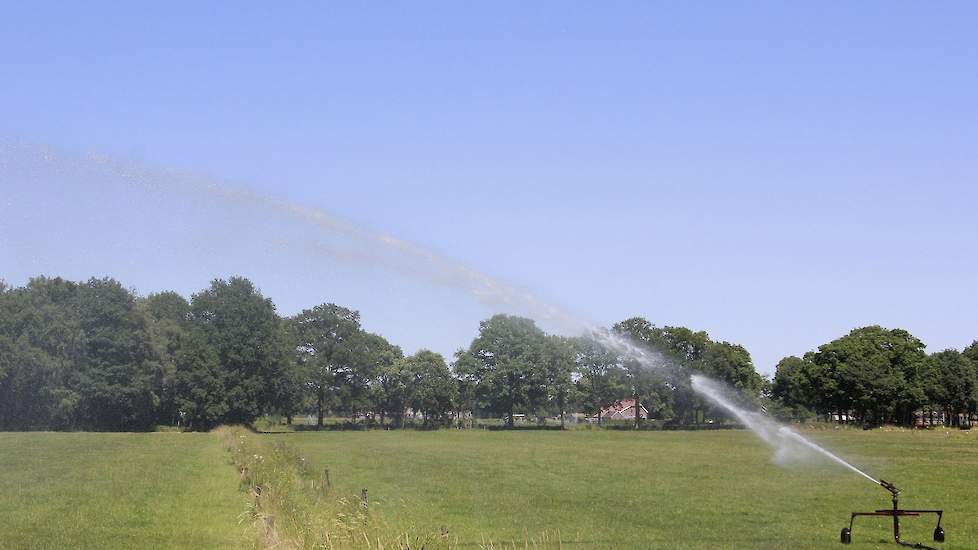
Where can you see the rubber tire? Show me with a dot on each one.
(846, 536)
(939, 534)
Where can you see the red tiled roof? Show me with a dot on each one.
(622, 409)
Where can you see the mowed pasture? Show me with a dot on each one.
(575, 489)
(118, 490)
(619, 489)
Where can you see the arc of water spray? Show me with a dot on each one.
(375, 247)
(776, 435)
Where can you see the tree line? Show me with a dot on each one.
(875, 375)
(94, 355)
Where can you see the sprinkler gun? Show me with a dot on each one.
(896, 513)
(890, 487)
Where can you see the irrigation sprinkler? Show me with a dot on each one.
(896, 513)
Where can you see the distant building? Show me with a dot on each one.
(842, 417)
(927, 418)
(622, 410)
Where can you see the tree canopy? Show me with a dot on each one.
(876, 375)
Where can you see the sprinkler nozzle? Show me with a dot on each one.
(890, 487)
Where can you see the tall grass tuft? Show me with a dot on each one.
(293, 507)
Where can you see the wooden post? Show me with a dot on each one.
(326, 483)
(363, 497)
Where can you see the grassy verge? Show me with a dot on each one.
(294, 506)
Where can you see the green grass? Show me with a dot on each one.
(612, 489)
(101, 490)
(589, 489)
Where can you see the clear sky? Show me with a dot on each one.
(773, 174)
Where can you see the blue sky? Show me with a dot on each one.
(773, 174)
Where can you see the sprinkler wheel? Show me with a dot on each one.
(846, 536)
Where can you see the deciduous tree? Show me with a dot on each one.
(242, 328)
(509, 372)
(435, 391)
(325, 340)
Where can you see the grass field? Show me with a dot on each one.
(587, 489)
(611, 489)
(102, 490)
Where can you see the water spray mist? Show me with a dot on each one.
(371, 247)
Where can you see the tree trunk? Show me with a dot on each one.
(320, 401)
(288, 419)
(561, 404)
(512, 399)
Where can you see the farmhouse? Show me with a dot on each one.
(620, 410)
